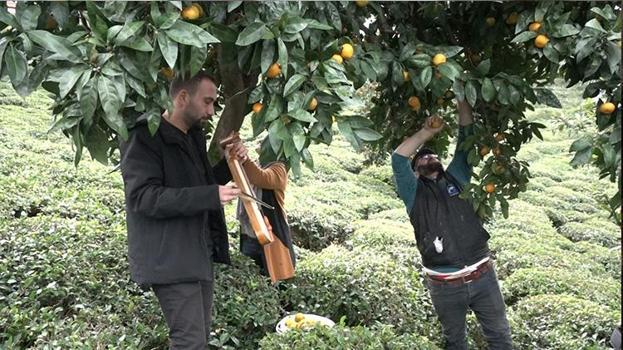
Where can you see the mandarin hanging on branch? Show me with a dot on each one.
(607, 108)
(541, 41)
(512, 18)
(439, 59)
(191, 13)
(274, 70)
(312, 104)
(337, 58)
(436, 122)
(414, 103)
(534, 26)
(347, 51)
(257, 107)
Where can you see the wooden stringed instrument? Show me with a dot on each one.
(264, 236)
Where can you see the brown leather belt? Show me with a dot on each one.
(480, 270)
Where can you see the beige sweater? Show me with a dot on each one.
(274, 177)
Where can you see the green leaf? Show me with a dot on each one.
(367, 134)
(449, 71)
(222, 32)
(514, 94)
(268, 54)
(168, 48)
(307, 158)
(69, 79)
(524, 36)
(111, 103)
(88, 99)
(484, 67)
(334, 15)
(582, 157)
(57, 44)
(190, 34)
(198, 56)
(298, 135)
(565, 30)
(594, 23)
(459, 90)
(129, 30)
(295, 25)
(97, 144)
(252, 33)
(426, 75)
(593, 66)
(64, 123)
(613, 53)
(275, 107)
(348, 133)
(302, 115)
(28, 16)
(153, 120)
(314, 24)
(16, 65)
(487, 90)
(97, 22)
(7, 18)
(138, 44)
(471, 93)
(283, 56)
(293, 84)
(232, 5)
(547, 97)
(136, 85)
(451, 51)
(550, 53)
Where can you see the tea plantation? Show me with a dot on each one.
(64, 280)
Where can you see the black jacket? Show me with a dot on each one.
(176, 225)
(438, 212)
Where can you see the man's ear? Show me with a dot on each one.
(182, 98)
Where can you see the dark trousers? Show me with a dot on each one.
(483, 296)
(187, 308)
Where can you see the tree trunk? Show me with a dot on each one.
(235, 87)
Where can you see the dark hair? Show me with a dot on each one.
(182, 82)
(422, 151)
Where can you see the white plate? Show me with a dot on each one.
(282, 328)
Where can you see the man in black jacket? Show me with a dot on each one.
(450, 237)
(174, 198)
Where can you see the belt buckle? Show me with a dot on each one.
(466, 281)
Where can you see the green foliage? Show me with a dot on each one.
(320, 208)
(246, 306)
(106, 66)
(340, 337)
(593, 230)
(65, 279)
(561, 322)
(364, 286)
(529, 282)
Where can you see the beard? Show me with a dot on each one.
(430, 168)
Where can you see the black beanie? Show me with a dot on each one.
(422, 151)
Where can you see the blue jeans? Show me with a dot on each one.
(483, 296)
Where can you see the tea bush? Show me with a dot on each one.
(340, 337)
(364, 286)
(535, 281)
(558, 321)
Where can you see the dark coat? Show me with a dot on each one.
(439, 212)
(176, 225)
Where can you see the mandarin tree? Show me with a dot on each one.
(107, 66)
